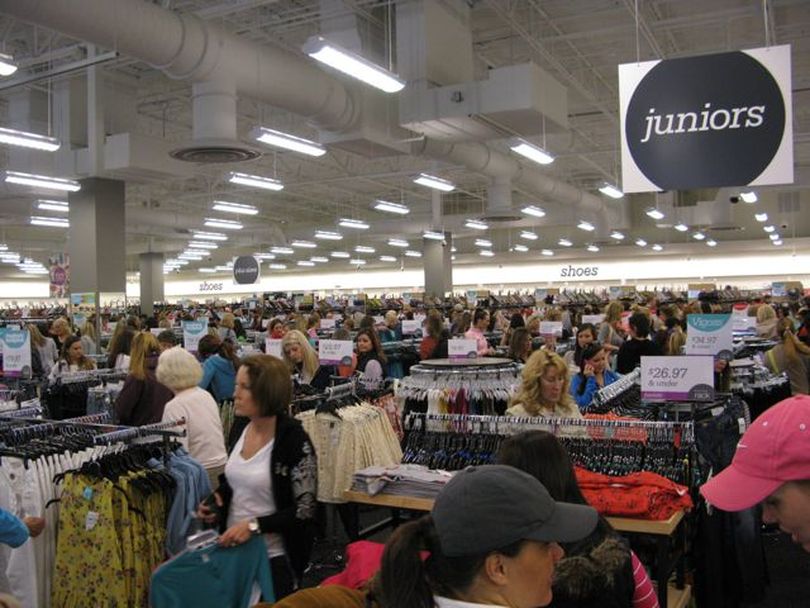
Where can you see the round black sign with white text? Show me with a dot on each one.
(705, 121)
(245, 270)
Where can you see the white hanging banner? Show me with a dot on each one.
(16, 352)
(335, 352)
(193, 331)
(273, 347)
(459, 348)
(677, 378)
(710, 335)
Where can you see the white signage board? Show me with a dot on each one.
(677, 378)
(193, 331)
(16, 352)
(460, 348)
(710, 334)
(335, 352)
(273, 347)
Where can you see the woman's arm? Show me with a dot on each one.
(584, 400)
(208, 374)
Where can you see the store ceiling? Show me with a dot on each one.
(579, 42)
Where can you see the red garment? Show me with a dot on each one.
(362, 562)
(640, 495)
(619, 433)
(644, 595)
(427, 346)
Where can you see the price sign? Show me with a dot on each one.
(410, 327)
(193, 331)
(744, 324)
(778, 290)
(677, 378)
(327, 323)
(335, 352)
(79, 319)
(459, 348)
(16, 352)
(156, 331)
(551, 328)
(593, 319)
(273, 347)
(710, 335)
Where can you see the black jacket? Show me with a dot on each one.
(630, 354)
(142, 401)
(294, 476)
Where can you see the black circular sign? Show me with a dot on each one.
(245, 270)
(715, 120)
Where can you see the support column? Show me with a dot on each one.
(151, 266)
(436, 256)
(96, 237)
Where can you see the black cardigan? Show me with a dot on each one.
(294, 476)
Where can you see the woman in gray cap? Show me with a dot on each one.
(492, 540)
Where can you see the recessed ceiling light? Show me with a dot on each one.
(548, 252)
(387, 258)
(210, 236)
(711, 243)
(749, 197)
(681, 227)
(657, 247)
(301, 244)
(282, 250)
(357, 262)
(437, 183)
(565, 243)
(641, 242)
(520, 248)
(397, 243)
(453, 249)
(7, 65)
(364, 249)
(352, 64)
(529, 235)
(530, 151)
(278, 266)
(237, 208)
(42, 181)
(278, 139)
(698, 236)
(305, 263)
(777, 242)
(486, 253)
(50, 205)
(534, 211)
(255, 181)
(769, 228)
(350, 223)
(761, 217)
(319, 259)
(432, 235)
(389, 207)
(413, 254)
(592, 248)
(655, 213)
(775, 236)
(483, 243)
(213, 222)
(341, 254)
(327, 235)
(617, 235)
(586, 226)
(611, 191)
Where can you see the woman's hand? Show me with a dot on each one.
(236, 535)
(35, 525)
(588, 371)
(206, 513)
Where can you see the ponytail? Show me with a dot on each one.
(227, 351)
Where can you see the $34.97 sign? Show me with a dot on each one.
(677, 378)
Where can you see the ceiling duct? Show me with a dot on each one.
(499, 201)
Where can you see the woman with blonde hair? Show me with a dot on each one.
(791, 356)
(544, 389)
(302, 359)
(766, 322)
(676, 341)
(45, 346)
(143, 397)
(89, 339)
(611, 333)
(226, 328)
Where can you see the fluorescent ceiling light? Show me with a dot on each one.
(655, 213)
(520, 248)
(364, 249)
(207, 270)
(397, 243)
(238, 208)
(564, 242)
(698, 236)
(197, 251)
(53, 222)
(592, 248)
(350, 223)
(388, 207)
(36, 271)
(13, 137)
(611, 191)
(769, 228)
(486, 253)
(616, 235)
(213, 222)
(190, 256)
(476, 224)
(326, 235)
(282, 250)
(641, 242)
(586, 226)
(657, 247)
(222, 268)
(7, 65)
(452, 258)
(749, 197)
(433, 236)
(42, 181)
(255, 181)
(761, 217)
(210, 236)
(774, 237)
(357, 262)
(711, 243)
(318, 259)
(530, 151)
(529, 235)
(301, 244)
(437, 183)
(341, 254)
(547, 252)
(3, 247)
(453, 249)
(681, 227)
(387, 258)
(413, 254)
(278, 266)
(534, 211)
(483, 243)
(264, 256)
(49, 205)
(305, 263)
(277, 139)
(177, 263)
(352, 64)
(777, 242)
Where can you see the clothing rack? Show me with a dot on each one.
(23, 413)
(163, 429)
(499, 381)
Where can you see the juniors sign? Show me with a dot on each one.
(712, 120)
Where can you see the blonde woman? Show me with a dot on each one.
(302, 359)
(89, 339)
(46, 348)
(60, 330)
(791, 356)
(766, 322)
(544, 389)
(226, 331)
(611, 334)
(142, 398)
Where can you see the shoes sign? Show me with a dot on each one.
(246, 270)
(712, 120)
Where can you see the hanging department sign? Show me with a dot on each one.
(246, 270)
(712, 120)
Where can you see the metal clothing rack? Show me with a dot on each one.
(618, 388)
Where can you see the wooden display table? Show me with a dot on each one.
(665, 532)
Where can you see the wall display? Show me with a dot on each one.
(710, 335)
(462, 349)
(59, 271)
(677, 378)
(247, 270)
(712, 120)
(16, 352)
(335, 352)
(193, 331)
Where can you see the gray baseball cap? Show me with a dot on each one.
(485, 508)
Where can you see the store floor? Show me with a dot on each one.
(788, 564)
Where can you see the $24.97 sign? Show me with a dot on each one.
(677, 378)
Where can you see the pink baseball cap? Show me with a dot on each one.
(775, 449)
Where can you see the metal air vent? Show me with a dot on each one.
(501, 216)
(215, 151)
(725, 228)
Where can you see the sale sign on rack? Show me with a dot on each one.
(409, 327)
(273, 347)
(462, 349)
(193, 331)
(335, 352)
(16, 352)
(710, 335)
(551, 328)
(677, 378)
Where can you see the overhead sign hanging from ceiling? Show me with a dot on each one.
(712, 120)
(246, 270)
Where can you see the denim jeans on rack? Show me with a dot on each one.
(717, 436)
